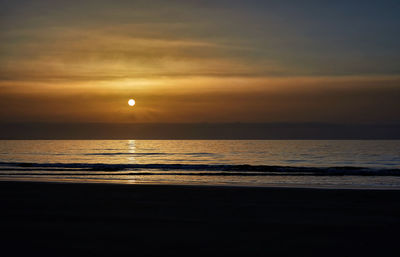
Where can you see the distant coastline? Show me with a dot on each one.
(248, 131)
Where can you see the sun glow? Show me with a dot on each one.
(131, 102)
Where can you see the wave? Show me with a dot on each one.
(196, 169)
(149, 154)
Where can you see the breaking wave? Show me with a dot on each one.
(193, 169)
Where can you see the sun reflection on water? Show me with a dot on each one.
(132, 151)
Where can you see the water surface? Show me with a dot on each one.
(336, 163)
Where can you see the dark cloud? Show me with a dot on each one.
(308, 37)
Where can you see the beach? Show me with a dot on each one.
(65, 219)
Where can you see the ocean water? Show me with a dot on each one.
(297, 163)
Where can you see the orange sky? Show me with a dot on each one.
(76, 64)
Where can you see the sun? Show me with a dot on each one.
(131, 102)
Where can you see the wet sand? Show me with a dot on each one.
(56, 219)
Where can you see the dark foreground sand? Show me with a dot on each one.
(53, 219)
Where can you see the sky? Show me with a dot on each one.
(200, 61)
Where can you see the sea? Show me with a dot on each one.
(258, 163)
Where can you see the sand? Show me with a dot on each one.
(66, 219)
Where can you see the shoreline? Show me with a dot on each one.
(201, 184)
(62, 219)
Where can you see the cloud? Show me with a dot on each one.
(298, 99)
(108, 54)
(59, 40)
